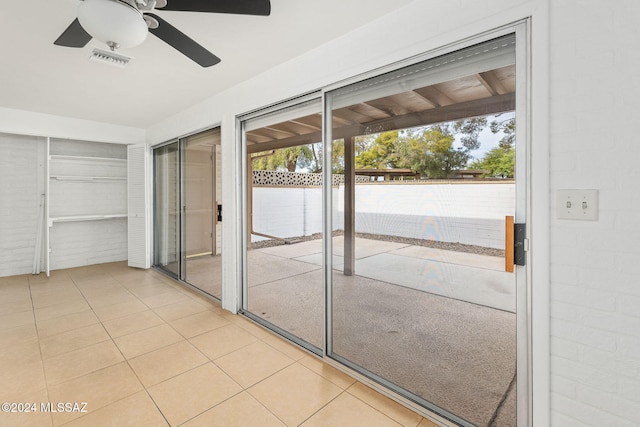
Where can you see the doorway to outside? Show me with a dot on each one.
(187, 212)
(378, 227)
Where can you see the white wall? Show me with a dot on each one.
(29, 123)
(21, 183)
(595, 280)
(471, 214)
(20, 132)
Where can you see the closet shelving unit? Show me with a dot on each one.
(86, 200)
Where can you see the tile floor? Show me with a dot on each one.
(142, 350)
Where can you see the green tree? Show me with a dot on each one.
(508, 128)
(432, 152)
(284, 159)
(499, 162)
(379, 153)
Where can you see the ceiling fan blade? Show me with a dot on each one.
(241, 7)
(73, 36)
(182, 43)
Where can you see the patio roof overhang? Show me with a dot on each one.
(481, 94)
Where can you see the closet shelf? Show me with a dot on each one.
(78, 218)
(78, 178)
(85, 158)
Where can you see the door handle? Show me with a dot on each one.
(514, 244)
(509, 264)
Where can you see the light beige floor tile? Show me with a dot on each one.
(20, 334)
(198, 323)
(327, 371)
(134, 411)
(192, 393)
(81, 362)
(95, 280)
(47, 328)
(241, 410)
(167, 362)
(132, 323)
(295, 393)
(147, 340)
(55, 277)
(17, 350)
(249, 326)
(21, 380)
(163, 298)
(103, 289)
(21, 280)
(392, 409)
(57, 296)
(42, 289)
(28, 419)
(97, 389)
(427, 423)
(223, 340)
(15, 320)
(108, 300)
(72, 340)
(284, 346)
(253, 363)
(150, 289)
(62, 309)
(119, 310)
(179, 309)
(346, 410)
(13, 305)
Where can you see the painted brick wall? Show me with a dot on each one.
(81, 243)
(467, 213)
(75, 244)
(19, 202)
(595, 280)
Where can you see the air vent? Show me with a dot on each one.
(110, 58)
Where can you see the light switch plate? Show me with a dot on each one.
(577, 204)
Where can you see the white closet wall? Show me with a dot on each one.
(21, 185)
(87, 212)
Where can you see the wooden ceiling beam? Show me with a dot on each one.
(491, 83)
(462, 110)
(426, 100)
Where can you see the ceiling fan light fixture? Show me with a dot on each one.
(112, 21)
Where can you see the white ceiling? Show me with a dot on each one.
(36, 75)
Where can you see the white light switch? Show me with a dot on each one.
(577, 204)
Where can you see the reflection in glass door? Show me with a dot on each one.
(166, 254)
(420, 300)
(201, 188)
(186, 218)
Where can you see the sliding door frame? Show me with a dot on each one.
(522, 31)
(523, 281)
(182, 225)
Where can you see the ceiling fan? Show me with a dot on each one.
(126, 23)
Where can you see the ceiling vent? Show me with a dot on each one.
(110, 58)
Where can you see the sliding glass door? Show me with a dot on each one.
(166, 173)
(380, 230)
(284, 285)
(201, 222)
(186, 219)
(420, 299)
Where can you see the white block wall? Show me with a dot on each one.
(286, 211)
(75, 244)
(19, 201)
(595, 274)
(472, 214)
